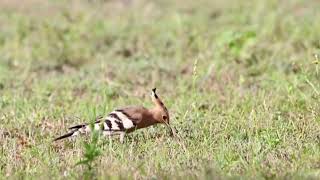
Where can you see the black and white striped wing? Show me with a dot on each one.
(118, 120)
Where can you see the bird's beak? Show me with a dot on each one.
(171, 131)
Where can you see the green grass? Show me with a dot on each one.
(240, 80)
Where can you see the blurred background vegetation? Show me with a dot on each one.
(241, 80)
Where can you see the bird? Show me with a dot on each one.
(125, 120)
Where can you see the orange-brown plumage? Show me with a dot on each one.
(126, 120)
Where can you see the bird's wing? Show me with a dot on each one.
(125, 118)
(120, 120)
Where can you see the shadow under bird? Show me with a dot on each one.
(125, 120)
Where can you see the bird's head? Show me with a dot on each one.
(160, 111)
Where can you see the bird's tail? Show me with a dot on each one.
(65, 136)
(75, 130)
(81, 129)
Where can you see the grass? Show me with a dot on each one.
(240, 79)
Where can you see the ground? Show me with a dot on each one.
(241, 80)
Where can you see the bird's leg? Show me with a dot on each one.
(107, 134)
(122, 134)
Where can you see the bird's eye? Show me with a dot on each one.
(164, 117)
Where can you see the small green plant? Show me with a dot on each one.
(91, 152)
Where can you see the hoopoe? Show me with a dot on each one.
(125, 120)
